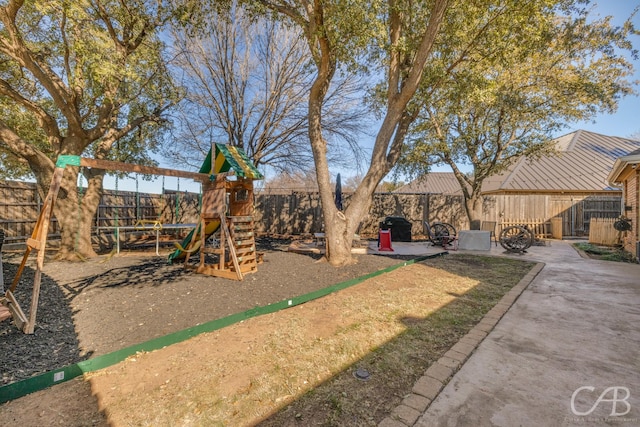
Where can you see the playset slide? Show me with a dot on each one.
(210, 228)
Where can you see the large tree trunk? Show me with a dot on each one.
(337, 243)
(336, 224)
(473, 207)
(340, 229)
(74, 211)
(403, 82)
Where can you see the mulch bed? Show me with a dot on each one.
(106, 304)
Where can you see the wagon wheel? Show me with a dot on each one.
(443, 233)
(516, 238)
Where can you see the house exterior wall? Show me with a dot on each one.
(632, 211)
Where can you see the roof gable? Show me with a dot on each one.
(227, 158)
(583, 164)
(623, 166)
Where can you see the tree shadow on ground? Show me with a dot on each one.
(394, 367)
(54, 341)
(154, 271)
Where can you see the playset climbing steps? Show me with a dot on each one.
(242, 235)
(236, 251)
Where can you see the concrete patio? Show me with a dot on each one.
(564, 353)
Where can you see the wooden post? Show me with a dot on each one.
(203, 238)
(1, 272)
(223, 239)
(232, 249)
(38, 241)
(556, 228)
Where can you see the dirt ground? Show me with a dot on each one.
(109, 303)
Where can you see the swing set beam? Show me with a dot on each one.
(38, 239)
(130, 167)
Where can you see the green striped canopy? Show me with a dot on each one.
(229, 158)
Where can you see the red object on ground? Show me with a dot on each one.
(384, 240)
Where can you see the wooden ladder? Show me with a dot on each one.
(237, 251)
(241, 230)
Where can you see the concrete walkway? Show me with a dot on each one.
(565, 353)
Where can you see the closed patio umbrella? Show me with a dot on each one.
(338, 196)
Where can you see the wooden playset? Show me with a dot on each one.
(227, 207)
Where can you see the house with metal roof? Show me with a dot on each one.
(626, 172)
(580, 166)
(571, 183)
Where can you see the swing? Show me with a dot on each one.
(141, 223)
(156, 225)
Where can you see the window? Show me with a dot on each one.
(242, 195)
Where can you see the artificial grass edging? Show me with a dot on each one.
(45, 380)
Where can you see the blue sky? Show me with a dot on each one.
(626, 121)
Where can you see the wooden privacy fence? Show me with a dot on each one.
(552, 216)
(20, 206)
(540, 227)
(601, 232)
(299, 213)
(127, 208)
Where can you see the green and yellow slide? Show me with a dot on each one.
(189, 244)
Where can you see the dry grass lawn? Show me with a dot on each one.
(295, 367)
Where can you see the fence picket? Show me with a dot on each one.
(601, 232)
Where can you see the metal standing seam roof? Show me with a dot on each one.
(434, 183)
(582, 164)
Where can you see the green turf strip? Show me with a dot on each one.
(40, 382)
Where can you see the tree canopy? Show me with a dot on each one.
(503, 104)
(247, 79)
(85, 78)
(426, 52)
